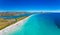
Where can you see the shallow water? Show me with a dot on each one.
(39, 24)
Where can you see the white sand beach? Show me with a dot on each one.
(13, 27)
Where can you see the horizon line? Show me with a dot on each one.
(29, 10)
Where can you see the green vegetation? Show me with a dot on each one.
(7, 22)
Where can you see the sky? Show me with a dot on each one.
(28, 5)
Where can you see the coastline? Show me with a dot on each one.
(13, 27)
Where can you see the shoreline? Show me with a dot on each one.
(13, 26)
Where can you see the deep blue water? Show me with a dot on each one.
(55, 17)
(40, 24)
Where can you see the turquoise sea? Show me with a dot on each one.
(40, 24)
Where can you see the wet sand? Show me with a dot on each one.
(13, 27)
